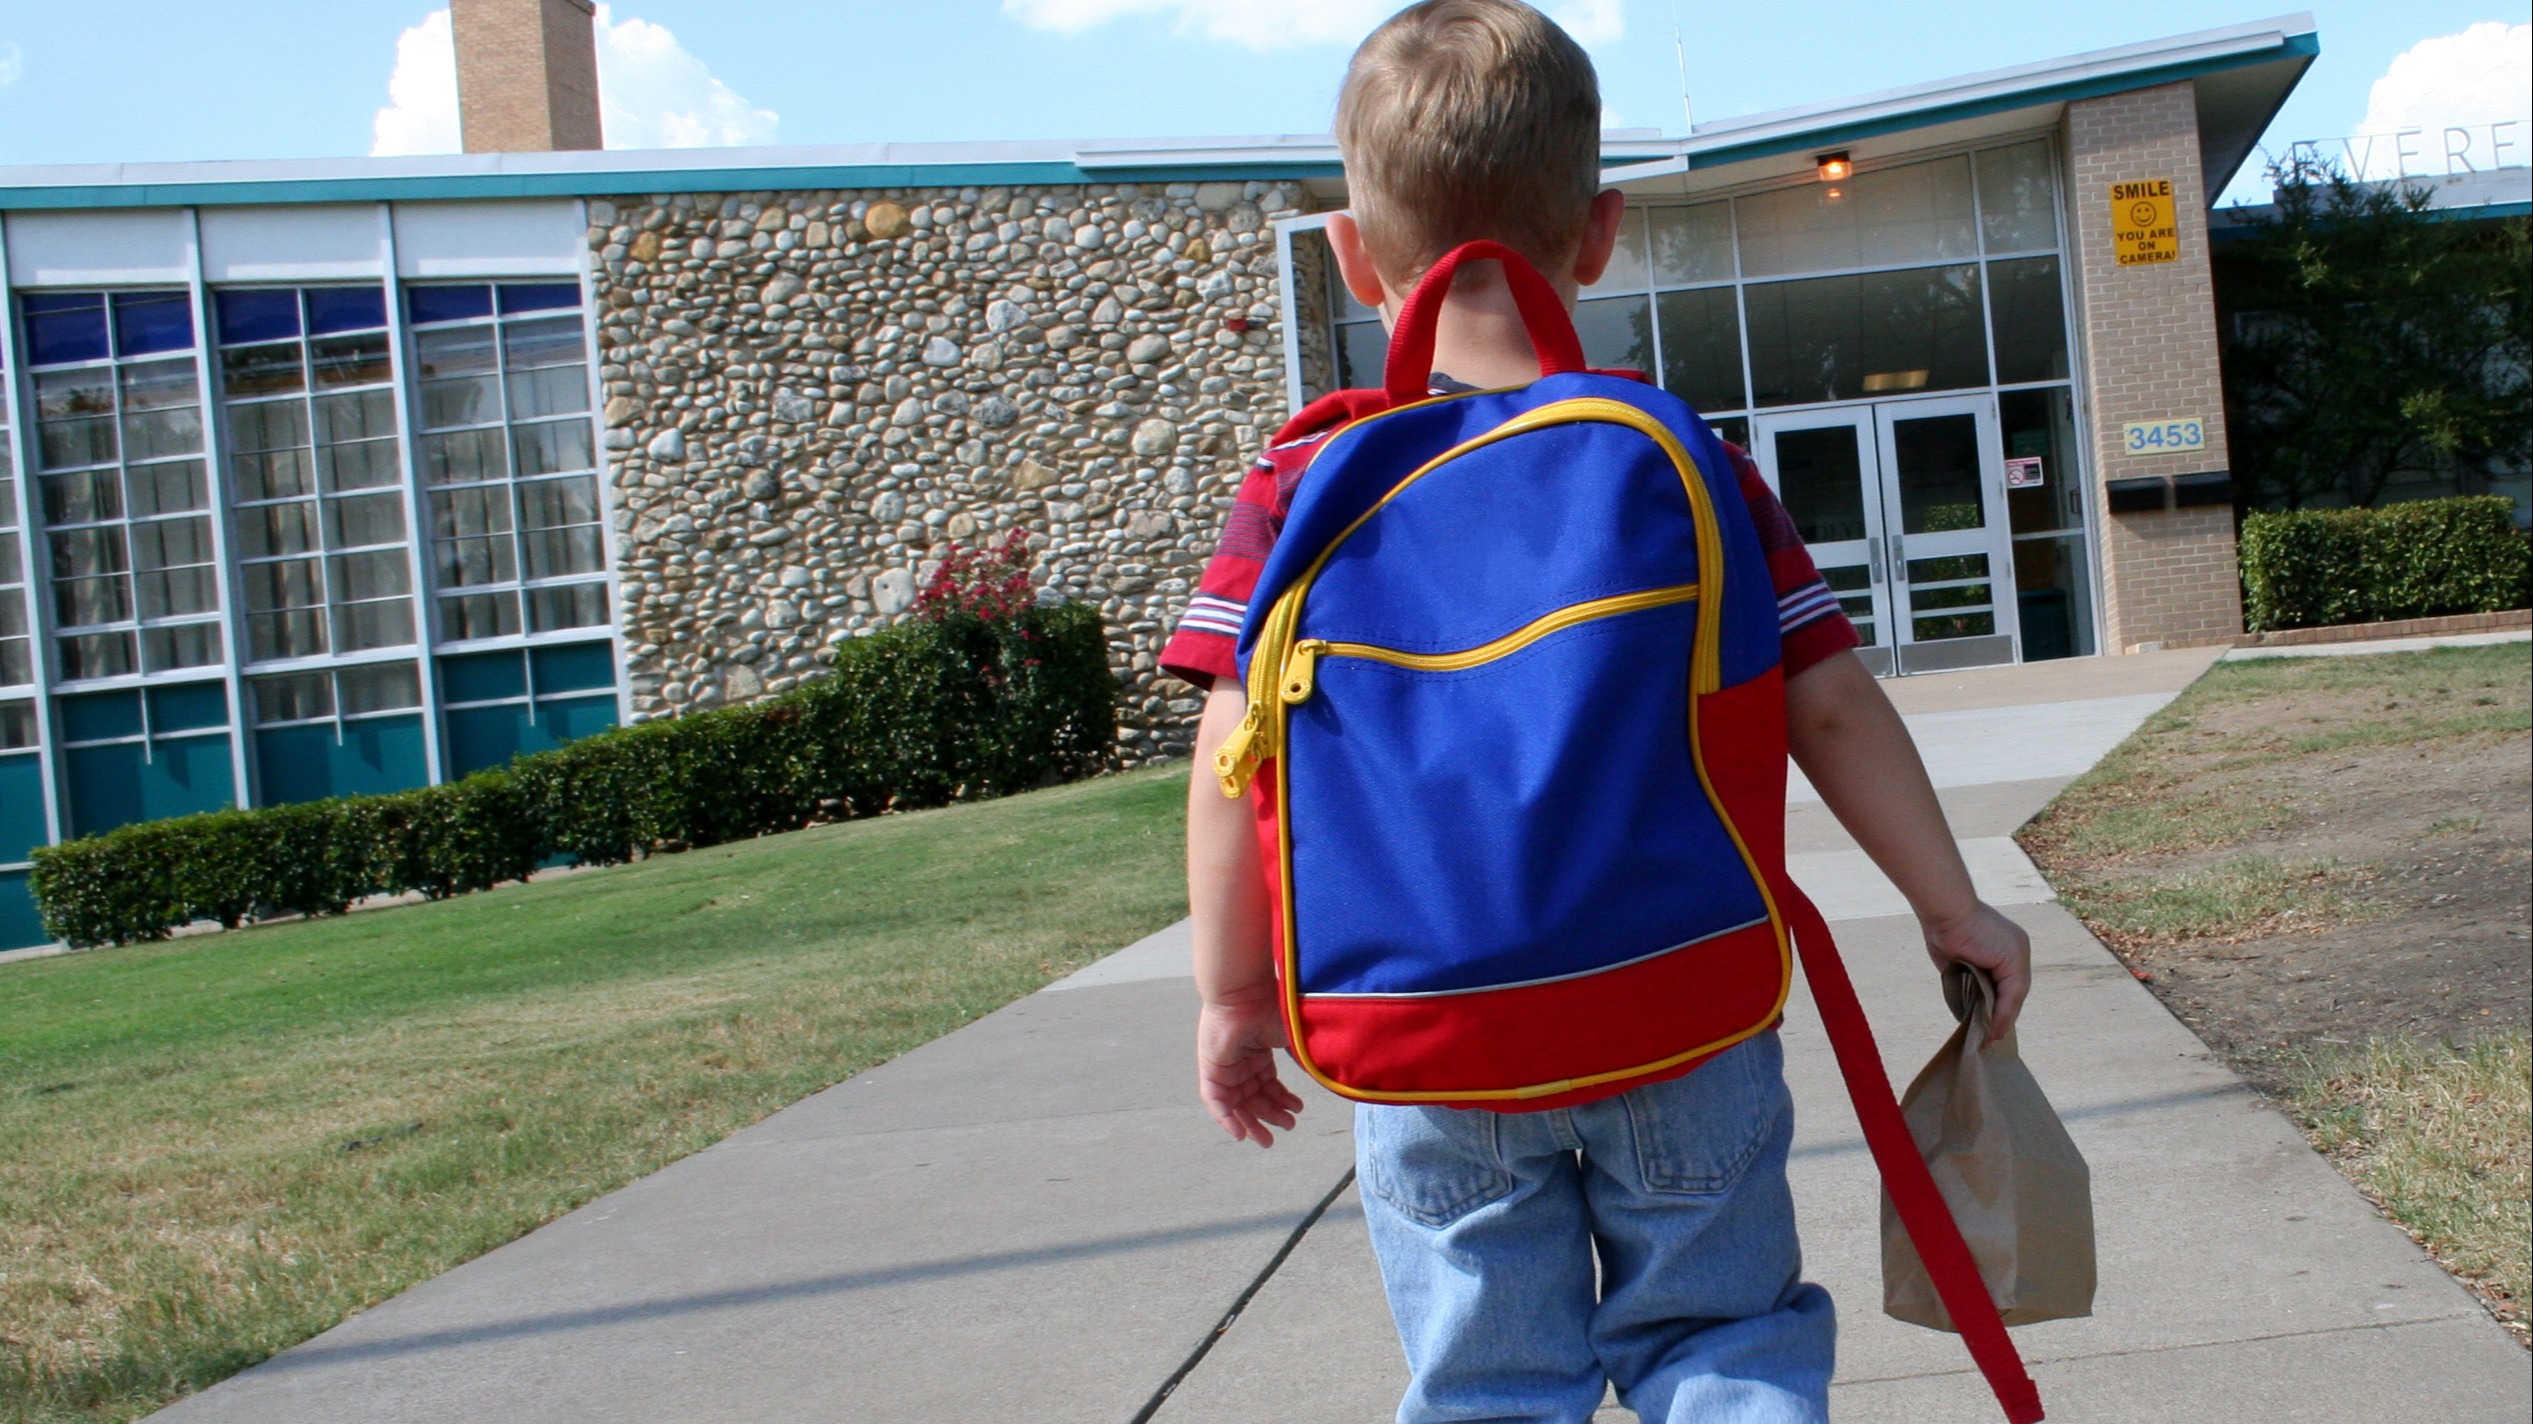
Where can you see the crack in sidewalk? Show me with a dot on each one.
(1222, 1327)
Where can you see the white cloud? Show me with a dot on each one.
(2465, 81)
(1271, 24)
(12, 64)
(652, 93)
(421, 112)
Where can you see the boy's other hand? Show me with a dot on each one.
(1994, 943)
(1236, 1039)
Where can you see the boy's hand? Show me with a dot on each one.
(1236, 1039)
(1994, 943)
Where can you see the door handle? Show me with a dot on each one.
(1899, 560)
(1873, 559)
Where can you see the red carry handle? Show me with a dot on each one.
(1411, 362)
(1914, 1195)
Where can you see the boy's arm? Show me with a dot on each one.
(1850, 741)
(1241, 1025)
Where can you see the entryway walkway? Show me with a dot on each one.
(1031, 1219)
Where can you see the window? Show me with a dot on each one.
(17, 643)
(315, 471)
(340, 731)
(1919, 212)
(126, 500)
(509, 458)
(1872, 334)
(145, 754)
(498, 705)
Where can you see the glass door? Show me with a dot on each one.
(1826, 467)
(1950, 573)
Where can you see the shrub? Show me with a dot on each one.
(941, 709)
(2314, 568)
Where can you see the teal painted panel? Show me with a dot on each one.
(376, 755)
(483, 677)
(567, 719)
(481, 737)
(574, 667)
(115, 786)
(21, 805)
(189, 774)
(105, 787)
(20, 926)
(188, 707)
(96, 716)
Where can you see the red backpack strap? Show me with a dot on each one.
(1914, 1195)
(1330, 411)
(1410, 367)
(1411, 363)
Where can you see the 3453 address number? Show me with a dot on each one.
(2160, 437)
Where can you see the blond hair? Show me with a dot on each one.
(1467, 119)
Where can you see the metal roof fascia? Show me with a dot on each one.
(423, 188)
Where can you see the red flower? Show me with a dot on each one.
(991, 581)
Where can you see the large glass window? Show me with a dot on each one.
(143, 755)
(1937, 275)
(1918, 213)
(509, 459)
(315, 470)
(17, 643)
(503, 704)
(2018, 199)
(126, 500)
(341, 731)
(1872, 334)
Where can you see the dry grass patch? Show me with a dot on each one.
(2441, 1139)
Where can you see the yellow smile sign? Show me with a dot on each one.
(2142, 227)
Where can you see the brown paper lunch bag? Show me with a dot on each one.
(2012, 1176)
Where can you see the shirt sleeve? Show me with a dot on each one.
(1201, 649)
(1809, 617)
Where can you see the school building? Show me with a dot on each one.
(327, 477)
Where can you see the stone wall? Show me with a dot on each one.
(810, 395)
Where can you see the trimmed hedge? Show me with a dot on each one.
(2318, 567)
(918, 715)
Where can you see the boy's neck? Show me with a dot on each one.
(1481, 339)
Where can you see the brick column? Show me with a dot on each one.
(2150, 346)
(527, 75)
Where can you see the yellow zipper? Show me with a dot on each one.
(1301, 668)
(1260, 732)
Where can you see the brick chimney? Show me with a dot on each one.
(527, 74)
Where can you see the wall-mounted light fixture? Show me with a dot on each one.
(1835, 167)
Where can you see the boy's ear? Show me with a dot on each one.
(1600, 236)
(1354, 263)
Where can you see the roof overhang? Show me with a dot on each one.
(2242, 73)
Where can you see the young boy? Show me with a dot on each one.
(1644, 1239)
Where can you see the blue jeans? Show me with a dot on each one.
(1488, 1225)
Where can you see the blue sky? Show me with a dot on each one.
(151, 79)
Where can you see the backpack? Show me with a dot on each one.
(1516, 727)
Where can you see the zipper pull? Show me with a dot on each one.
(1241, 753)
(1300, 670)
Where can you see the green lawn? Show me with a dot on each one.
(213, 1148)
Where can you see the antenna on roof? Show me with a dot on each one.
(1680, 52)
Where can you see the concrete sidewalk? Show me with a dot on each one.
(1030, 1219)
